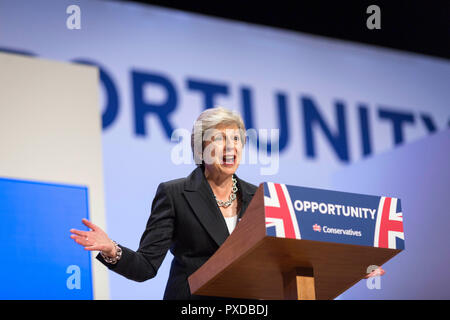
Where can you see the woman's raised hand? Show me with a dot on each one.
(93, 240)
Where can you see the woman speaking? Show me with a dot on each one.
(191, 216)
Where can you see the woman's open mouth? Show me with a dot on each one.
(229, 160)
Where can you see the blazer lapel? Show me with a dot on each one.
(199, 195)
(247, 194)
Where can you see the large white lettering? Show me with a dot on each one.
(334, 209)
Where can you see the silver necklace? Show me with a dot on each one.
(232, 197)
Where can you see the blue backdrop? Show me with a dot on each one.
(39, 259)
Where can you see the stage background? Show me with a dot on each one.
(51, 177)
(336, 103)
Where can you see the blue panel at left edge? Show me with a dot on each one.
(39, 259)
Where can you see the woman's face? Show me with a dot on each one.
(222, 149)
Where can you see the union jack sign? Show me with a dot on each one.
(324, 215)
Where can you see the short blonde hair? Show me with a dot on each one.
(209, 119)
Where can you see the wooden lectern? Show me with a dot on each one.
(252, 265)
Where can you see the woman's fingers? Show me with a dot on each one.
(376, 273)
(80, 240)
(89, 224)
(91, 240)
(88, 244)
(79, 232)
(94, 248)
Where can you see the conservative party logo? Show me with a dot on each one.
(323, 215)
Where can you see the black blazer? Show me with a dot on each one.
(185, 218)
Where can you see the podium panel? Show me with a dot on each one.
(280, 241)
